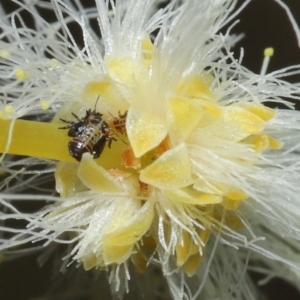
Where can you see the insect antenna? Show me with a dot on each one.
(96, 102)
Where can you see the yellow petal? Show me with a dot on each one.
(263, 112)
(212, 108)
(97, 178)
(191, 196)
(92, 261)
(192, 264)
(104, 95)
(147, 50)
(244, 119)
(275, 143)
(184, 115)
(183, 249)
(145, 131)
(127, 226)
(259, 142)
(230, 204)
(195, 87)
(130, 229)
(146, 248)
(236, 194)
(221, 189)
(66, 180)
(170, 171)
(116, 254)
(129, 72)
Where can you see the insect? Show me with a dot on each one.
(89, 134)
(119, 124)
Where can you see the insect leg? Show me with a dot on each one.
(76, 117)
(99, 146)
(110, 139)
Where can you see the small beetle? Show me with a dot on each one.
(89, 134)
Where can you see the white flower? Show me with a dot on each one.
(194, 173)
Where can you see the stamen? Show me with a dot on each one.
(268, 52)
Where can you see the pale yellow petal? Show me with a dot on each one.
(189, 195)
(184, 115)
(195, 87)
(263, 112)
(116, 254)
(66, 180)
(192, 264)
(242, 118)
(97, 178)
(145, 131)
(127, 71)
(128, 230)
(183, 249)
(170, 171)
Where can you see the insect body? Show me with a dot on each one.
(89, 134)
(119, 124)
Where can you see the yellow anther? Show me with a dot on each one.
(44, 104)
(269, 52)
(21, 74)
(9, 109)
(4, 53)
(54, 63)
